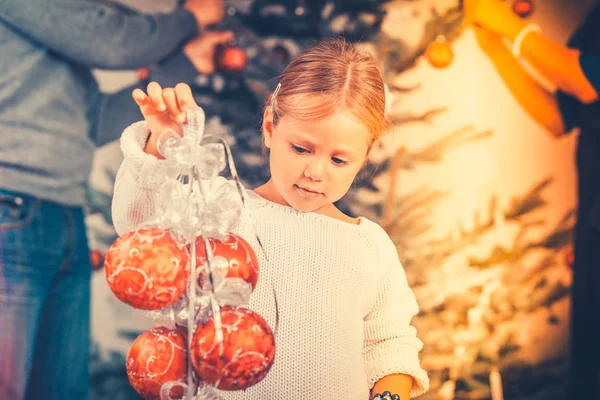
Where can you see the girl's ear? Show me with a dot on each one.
(267, 127)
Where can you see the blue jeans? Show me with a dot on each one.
(44, 300)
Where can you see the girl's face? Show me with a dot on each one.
(313, 164)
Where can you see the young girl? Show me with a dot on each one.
(344, 302)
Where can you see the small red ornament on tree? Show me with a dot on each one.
(231, 59)
(241, 261)
(97, 259)
(570, 258)
(439, 53)
(248, 350)
(147, 268)
(156, 357)
(523, 8)
(142, 74)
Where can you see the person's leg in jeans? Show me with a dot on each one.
(60, 364)
(35, 243)
(29, 257)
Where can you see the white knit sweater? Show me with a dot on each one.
(345, 306)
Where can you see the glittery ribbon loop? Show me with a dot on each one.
(204, 393)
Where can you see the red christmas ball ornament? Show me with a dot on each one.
(248, 350)
(231, 59)
(156, 357)
(147, 268)
(239, 260)
(523, 8)
(439, 53)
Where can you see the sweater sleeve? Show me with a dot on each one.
(134, 196)
(98, 34)
(391, 344)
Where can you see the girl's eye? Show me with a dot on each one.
(338, 161)
(299, 149)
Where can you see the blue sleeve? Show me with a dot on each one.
(112, 113)
(569, 109)
(99, 35)
(568, 105)
(590, 65)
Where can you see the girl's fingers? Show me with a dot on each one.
(155, 93)
(144, 103)
(185, 98)
(171, 102)
(175, 101)
(139, 97)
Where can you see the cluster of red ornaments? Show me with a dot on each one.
(148, 269)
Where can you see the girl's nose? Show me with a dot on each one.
(315, 169)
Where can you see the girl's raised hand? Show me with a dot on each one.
(163, 109)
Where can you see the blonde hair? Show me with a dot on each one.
(332, 76)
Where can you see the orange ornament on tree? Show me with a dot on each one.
(147, 268)
(248, 350)
(156, 357)
(439, 53)
(241, 261)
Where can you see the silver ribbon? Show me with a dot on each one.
(197, 160)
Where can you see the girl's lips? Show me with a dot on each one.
(307, 193)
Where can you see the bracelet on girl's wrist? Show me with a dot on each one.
(386, 396)
(518, 42)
